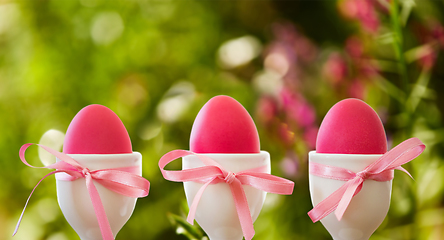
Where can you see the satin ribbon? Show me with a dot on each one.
(380, 170)
(213, 173)
(124, 181)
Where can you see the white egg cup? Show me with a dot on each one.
(216, 212)
(75, 202)
(367, 209)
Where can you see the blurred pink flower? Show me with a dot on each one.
(362, 10)
(297, 108)
(367, 69)
(437, 32)
(284, 32)
(266, 109)
(348, 9)
(290, 164)
(431, 35)
(428, 60)
(356, 89)
(362, 66)
(335, 68)
(304, 114)
(354, 47)
(305, 49)
(286, 135)
(310, 136)
(287, 98)
(278, 57)
(370, 22)
(287, 55)
(431, 31)
(299, 46)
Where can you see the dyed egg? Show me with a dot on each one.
(351, 126)
(96, 129)
(223, 125)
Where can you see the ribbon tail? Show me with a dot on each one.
(347, 197)
(328, 205)
(105, 228)
(242, 208)
(404, 170)
(26, 204)
(193, 207)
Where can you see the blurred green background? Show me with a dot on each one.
(155, 63)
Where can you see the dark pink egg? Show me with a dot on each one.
(351, 126)
(96, 129)
(223, 125)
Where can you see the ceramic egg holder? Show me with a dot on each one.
(367, 209)
(216, 212)
(75, 202)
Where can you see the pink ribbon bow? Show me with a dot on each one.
(380, 170)
(214, 173)
(124, 181)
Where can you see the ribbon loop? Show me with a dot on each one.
(380, 170)
(213, 173)
(124, 181)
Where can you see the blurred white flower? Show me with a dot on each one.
(9, 14)
(150, 130)
(176, 102)
(106, 28)
(268, 82)
(53, 139)
(277, 62)
(239, 51)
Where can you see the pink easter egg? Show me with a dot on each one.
(351, 126)
(223, 125)
(96, 129)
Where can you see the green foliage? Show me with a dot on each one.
(155, 63)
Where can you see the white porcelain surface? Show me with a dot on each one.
(75, 202)
(216, 212)
(367, 209)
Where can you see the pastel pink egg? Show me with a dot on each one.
(96, 129)
(351, 126)
(223, 125)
